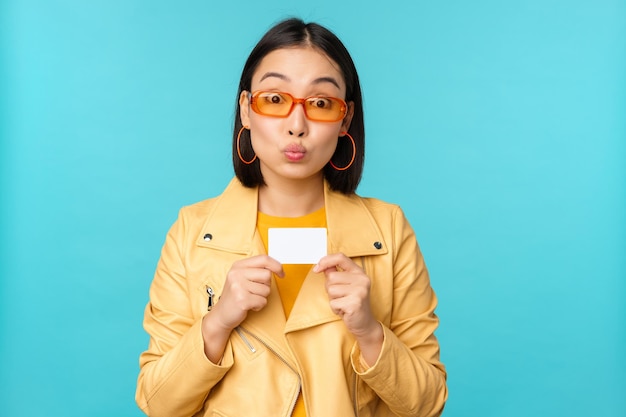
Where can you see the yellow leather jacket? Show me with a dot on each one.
(268, 359)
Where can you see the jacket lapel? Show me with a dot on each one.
(351, 231)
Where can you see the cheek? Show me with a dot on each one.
(328, 135)
(263, 126)
(255, 120)
(329, 145)
(263, 134)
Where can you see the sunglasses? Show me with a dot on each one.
(316, 108)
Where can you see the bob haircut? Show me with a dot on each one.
(293, 33)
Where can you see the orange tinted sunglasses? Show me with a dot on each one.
(316, 108)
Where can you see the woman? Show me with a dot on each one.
(233, 332)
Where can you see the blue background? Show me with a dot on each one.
(499, 127)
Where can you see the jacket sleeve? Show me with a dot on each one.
(408, 376)
(175, 375)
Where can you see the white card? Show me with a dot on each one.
(302, 245)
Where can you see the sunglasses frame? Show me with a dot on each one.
(252, 97)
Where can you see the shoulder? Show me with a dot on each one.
(354, 207)
(377, 204)
(381, 209)
(358, 211)
(390, 218)
(229, 201)
(200, 209)
(191, 219)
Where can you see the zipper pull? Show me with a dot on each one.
(211, 294)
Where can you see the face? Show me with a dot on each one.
(294, 147)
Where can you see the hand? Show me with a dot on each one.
(348, 289)
(246, 288)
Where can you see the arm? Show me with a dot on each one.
(188, 355)
(175, 376)
(408, 375)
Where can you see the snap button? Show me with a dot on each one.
(378, 245)
(208, 237)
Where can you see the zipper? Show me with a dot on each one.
(245, 339)
(211, 294)
(240, 330)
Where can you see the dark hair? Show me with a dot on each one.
(290, 33)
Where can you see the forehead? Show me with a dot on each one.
(298, 67)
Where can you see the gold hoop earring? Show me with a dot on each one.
(353, 155)
(239, 150)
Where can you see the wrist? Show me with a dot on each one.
(371, 344)
(215, 337)
(374, 335)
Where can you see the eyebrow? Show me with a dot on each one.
(285, 78)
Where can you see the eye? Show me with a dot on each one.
(320, 103)
(273, 98)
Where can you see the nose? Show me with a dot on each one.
(297, 121)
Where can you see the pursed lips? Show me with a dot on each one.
(294, 152)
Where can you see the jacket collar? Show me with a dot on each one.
(351, 228)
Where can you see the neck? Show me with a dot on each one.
(292, 198)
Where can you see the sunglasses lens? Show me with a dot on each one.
(272, 104)
(277, 104)
(324, 109)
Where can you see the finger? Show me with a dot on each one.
(262, 261)
(258, 275)
(246, 296)
(336, 261)
(335, 307)
(334, 277)
(250, 302)
(335, 291)
(347, 288)
(258, 303)
(276, 267)
(273, 265)
(256, 288)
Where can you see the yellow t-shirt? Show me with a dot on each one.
(289, 286)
